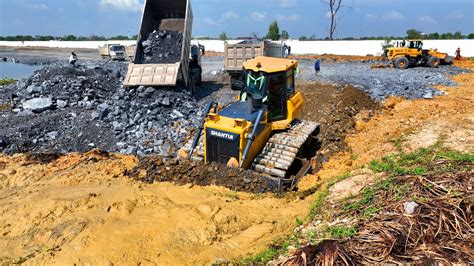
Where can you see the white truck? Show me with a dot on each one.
(175, 15)
(112, 51)
(236, 54)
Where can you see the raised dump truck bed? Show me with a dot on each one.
(174, 15)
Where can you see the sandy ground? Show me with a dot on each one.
(409, 125)
(82, 209)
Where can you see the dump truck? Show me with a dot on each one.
(261, 131)
(161, 15)
(236, 54)
(112, 51)
(411, 53)
(130, 51)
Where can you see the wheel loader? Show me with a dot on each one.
(411, 53)
(260, 131)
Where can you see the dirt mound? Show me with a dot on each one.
(336, 108)
(338, 58)
(157, 169)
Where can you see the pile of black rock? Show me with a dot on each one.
(162, 47)
(66, 109)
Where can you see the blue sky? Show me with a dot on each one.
(239, 17)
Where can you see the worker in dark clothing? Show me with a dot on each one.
(458, 54)
(317, 66)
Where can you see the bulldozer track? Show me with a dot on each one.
(283, 148)
(280, 152)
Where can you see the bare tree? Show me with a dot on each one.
(334, 7)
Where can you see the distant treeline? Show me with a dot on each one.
(411, 34)
(26, 38)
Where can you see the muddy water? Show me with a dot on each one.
(82, 209)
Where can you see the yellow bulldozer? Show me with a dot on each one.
(411, 53)
(260, 131)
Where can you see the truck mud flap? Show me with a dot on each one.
(152, 75)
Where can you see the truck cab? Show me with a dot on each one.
(117, 52)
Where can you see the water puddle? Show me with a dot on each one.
(16, 71)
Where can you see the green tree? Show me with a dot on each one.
(273, 31)
(97, 38)
(223, 36)
(449, 36)
(413, 34)
(470, 36)
(458, 35)
(303, 38)
(119, 38)
(433, 36)
(69, 38)
(285, 35)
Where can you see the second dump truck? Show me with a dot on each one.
(112, 51)
(236, 54)
(171, 15)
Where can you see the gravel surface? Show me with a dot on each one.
(411, 83)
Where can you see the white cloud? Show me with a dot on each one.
(426, 19)
(258, 16)
(288, 18)
(287, 3)
(230, 15)
(456, 14)
(393, 15)
(128, 5)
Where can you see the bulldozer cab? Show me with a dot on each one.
(269, 83)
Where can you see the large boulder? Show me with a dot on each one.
(38, 105)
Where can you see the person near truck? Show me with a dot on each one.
(73, 59)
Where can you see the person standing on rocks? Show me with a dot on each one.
(73, 59)
(317, 66)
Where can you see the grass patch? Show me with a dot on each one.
(367, 204)
(6, 81)
(419, 162)
(342, 231)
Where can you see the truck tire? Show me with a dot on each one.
(401, 63)
(448, 60)
(199, 78)
(434, 61)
